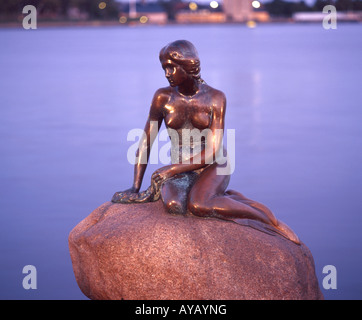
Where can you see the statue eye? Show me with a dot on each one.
(174, 55)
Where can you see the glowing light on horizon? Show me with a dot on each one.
(251, 24)
(123, 19)
(256, 4)
(193, 6)
(143, 19)
(102, 5)
(214, 4)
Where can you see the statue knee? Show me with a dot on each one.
(175, 207)
(197, 208)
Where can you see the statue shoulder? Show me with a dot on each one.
(160, 99)
(218, 97)
(162, 96)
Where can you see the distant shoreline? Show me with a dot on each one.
(94, 23)
(98, 23)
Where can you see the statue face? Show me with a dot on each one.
(174, 73)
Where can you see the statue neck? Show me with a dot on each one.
(189, 88)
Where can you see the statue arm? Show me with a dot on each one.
(151, 129)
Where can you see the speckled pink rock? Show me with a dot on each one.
(139, 251)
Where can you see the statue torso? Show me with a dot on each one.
(182, 116)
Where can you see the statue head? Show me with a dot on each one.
(183, 53)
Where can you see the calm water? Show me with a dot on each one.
(294, 97)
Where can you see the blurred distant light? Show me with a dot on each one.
(123, 19)
(102, 5)
(143, 19)
(251, 24)
(255, 4)
(193, 6)
(214, 4)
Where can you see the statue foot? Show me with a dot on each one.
(287, 232)
(282, 229)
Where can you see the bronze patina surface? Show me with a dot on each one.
(192, 183)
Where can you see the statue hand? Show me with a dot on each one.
(128, 195)
(162, 174)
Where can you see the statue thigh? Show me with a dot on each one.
(207, 187)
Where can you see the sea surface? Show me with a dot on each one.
(70, 96)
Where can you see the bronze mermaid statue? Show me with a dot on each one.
(192, 182)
